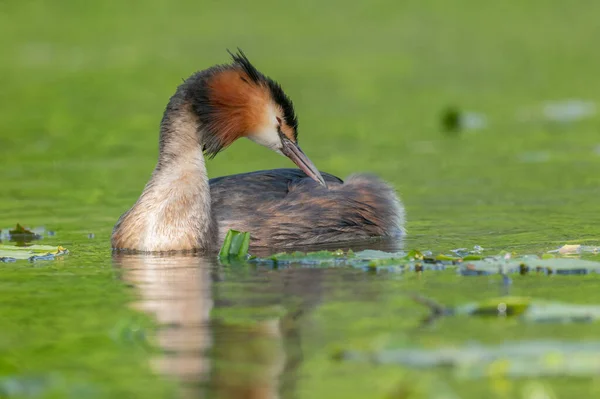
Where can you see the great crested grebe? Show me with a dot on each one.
(181, 209)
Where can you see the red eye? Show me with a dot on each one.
(278, 120)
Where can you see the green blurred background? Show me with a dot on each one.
(83, 86)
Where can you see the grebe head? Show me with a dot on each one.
(236, 100)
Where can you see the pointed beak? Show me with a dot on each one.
(293, 152)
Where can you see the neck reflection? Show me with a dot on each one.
(219, 338)
(176, 291)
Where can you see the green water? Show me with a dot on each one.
(83, 86)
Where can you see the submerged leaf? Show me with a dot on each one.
(526, 309)
(327, 258)
(505, 306)
(511, 359)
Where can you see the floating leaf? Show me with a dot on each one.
(525, 309)
(323, 258)
(467, 262)
(414, 254)
(571, 249)
(530, 263)
(235, 245)
(505, 306)
(367, 260)
(12, 253)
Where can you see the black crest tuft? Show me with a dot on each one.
(241, 60)
(277, 92)
(286, 104)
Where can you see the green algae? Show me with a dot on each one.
(65, 332)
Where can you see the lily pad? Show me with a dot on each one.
(12, 253)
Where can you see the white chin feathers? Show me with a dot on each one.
(268, 138)
(268, 135)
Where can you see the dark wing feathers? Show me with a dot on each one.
(285, 208)
(261, 185)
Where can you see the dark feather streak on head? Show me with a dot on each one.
(277, 92)
(195, 89)
(286, 104)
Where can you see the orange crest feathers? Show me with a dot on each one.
(233, 100)
(238, 105)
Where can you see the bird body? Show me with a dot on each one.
(285, 208)
(180, 209)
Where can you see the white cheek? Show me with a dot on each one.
(268, 138)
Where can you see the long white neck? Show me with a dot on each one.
(174, 211)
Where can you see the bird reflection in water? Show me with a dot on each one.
(210, 356)
(231, 331)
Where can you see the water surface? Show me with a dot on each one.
(83, 90)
